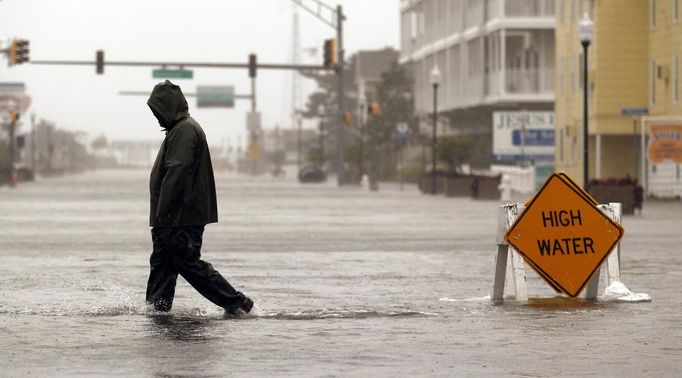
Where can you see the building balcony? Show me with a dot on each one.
(520, 9)
(529, 81)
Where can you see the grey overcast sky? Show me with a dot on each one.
(75, 98)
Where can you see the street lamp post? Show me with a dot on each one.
(585, 33)
(435, 81)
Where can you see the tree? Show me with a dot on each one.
(100, 142)
(394, 95)
(454, 151)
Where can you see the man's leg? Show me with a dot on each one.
(200, 274)
(162, 273)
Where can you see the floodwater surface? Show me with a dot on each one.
(346, 282)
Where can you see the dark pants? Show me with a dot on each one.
(177, 250)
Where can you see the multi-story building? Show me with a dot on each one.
(493, 55)
(633, 69)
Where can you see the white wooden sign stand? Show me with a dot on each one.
(514, 273)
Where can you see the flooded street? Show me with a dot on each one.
(346, 282)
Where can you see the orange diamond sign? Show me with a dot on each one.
(563, 235)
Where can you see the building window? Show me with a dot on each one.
(676, 78)
(653, 81)
(653, 14)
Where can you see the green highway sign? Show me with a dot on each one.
(215, 96)
(162, 73)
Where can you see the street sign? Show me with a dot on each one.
(162, 73)
(634, 111)
(523, 135)
(215, 96)
(665, 143)
(402, 131)
(563, 235)
(253, 122)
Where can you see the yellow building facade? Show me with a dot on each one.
(633, 66)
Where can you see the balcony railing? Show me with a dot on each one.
(529, 81)
(529, 8)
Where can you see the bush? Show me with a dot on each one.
(454, 151)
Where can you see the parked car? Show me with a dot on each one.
(310, 174)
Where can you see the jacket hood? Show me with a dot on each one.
(168, 104)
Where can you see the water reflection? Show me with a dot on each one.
(182, 345)
(181, 328)
(561, 303)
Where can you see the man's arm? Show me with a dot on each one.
(180, 147)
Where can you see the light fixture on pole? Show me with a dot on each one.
(585, 34)
(435, 81)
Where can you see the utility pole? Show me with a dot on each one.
(12, 146)
(296, 93)
(33, 143)
(333, 17)
(361, 125)
(340, 138)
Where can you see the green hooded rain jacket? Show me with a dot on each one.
(181, 185)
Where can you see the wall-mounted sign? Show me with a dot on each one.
(665, 143)
(523, 135)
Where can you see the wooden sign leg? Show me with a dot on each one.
(593, 286)
(613, 261)
(500, 272)
(519, 275)
(613, 210)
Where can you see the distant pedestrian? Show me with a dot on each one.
(183, 201)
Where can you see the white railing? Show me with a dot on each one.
(529, 80)
(664, 181)
(529, 8)
(522, 178)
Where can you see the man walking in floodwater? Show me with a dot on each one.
(183, 201)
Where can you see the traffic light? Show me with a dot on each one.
(347, 118)
(330, 53)
(99, 62)
(18, 52)
(373, 109)
(252, 65)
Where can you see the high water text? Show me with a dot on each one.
(564, 246)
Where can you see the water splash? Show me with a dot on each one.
(340, 313)
(475, 299)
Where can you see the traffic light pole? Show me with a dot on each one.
(12, 147)
(340, 129)
(334, 18)
(260, 66)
